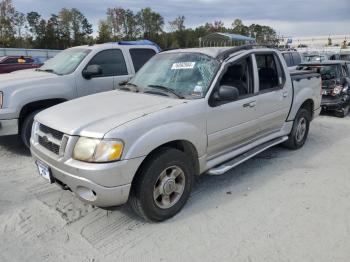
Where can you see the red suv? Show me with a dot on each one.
(13, 63)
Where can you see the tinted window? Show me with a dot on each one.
(269, 71)
(140, 56)
(29, 60)
(296, 58)
(10, 60)
(287, 57)
(240, 75)
(111, 61)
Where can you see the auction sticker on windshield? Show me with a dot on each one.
(183, 65)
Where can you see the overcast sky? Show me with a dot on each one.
(287, 17)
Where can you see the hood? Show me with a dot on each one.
(95, 115)
(18, 78)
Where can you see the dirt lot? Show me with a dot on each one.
(280, 206)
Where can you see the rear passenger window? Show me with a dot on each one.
(269, 70)
(296, 58)
(287, 57)
(111, 61)
(140, 56)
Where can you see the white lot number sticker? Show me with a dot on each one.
(183, 65)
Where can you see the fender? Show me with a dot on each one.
(166, 133)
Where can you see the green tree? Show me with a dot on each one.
(150, 24)
(7, 30)
(80, 26)
(104, 33)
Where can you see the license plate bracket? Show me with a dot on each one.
(45, 171)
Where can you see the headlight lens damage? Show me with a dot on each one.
(98, 150)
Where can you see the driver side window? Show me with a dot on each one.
(111, 61)
(240, 75)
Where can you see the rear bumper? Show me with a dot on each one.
(334, 103)
(8, 127)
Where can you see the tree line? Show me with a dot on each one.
(70, 27)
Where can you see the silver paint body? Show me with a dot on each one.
(145, 121)
(27, 86)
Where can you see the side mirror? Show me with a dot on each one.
(226, 93)
(92, 71)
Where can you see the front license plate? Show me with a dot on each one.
(44, 171)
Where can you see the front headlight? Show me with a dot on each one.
(98, 150)
(1, 99)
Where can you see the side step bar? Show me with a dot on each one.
(223, 168)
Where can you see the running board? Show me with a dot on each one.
(223, 168)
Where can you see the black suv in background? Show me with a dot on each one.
(335, 84)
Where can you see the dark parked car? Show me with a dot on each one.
(335, 85)
(9, 64)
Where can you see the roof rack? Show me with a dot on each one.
(137, 42)
(225, 54)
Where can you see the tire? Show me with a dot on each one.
(152, 195)
(26, 128)
(343, 112)
(300, 130)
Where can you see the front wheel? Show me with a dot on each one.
(163, 185)
(300, 130)
(26, 128)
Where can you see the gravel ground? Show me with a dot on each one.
(280, 206)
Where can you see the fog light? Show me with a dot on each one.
(86, 193)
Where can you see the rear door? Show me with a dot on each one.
(114, 69)
(274, 96)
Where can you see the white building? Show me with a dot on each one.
(316, 41)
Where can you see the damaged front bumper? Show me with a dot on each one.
(334, 102)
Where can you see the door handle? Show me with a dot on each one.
(250, 104)
(285, 94)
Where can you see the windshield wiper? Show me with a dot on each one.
(47, 70)
(124, 84)
(167, 89)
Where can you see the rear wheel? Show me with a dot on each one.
(26, 128)
(300, 130)
(163, 186)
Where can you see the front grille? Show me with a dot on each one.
(48, 130)
(49, 145)
(51, 139)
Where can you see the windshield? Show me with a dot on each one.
(186, 74)
(65, 62)
(327, 72)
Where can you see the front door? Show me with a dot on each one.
(233, 123)
(114, 70)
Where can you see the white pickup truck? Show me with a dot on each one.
(185, 113)
(75, 72)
